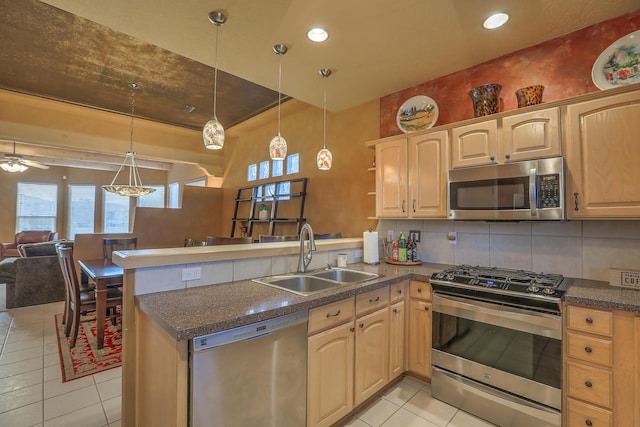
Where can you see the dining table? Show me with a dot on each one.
(103, 273)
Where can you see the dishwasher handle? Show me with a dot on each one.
(248, 332)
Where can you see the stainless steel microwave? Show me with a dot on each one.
(521, 191)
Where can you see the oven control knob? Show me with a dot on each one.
(548, 291)
(533, 288)
(474, 281)
(450, 277)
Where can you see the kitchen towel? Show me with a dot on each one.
(370, 243)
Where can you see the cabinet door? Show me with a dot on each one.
(428, 175)
(603, 157)
(531, 135)
(475, 144)
(396, 339)
(391, 179)
(372, 354)
(419, 345)
(330, 375)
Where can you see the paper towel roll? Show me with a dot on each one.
(370, 243)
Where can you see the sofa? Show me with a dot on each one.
(10, 250)
(35, 277)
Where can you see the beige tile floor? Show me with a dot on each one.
(31, 389)
(32, 392)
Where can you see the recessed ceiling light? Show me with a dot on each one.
(317, 35)
(496, 20)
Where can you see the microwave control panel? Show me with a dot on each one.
(549, 191)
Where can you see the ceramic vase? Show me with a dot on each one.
(486, 99)
(530, 95)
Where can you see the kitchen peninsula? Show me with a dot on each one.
(160, 320)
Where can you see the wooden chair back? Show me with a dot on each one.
(110, 244)
(214, 241)
(267, 238)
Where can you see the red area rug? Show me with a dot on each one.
(85, 358)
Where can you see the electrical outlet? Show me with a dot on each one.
(193, 273)
(357, 254)
(452, 237)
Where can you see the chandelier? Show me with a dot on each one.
(135, 187)
(213, 132)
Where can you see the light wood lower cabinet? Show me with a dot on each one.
(371, 354)
(600, 357)
(419, 336)
(397, 320)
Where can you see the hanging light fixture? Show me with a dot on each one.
(278, 145)
(135, 187)
(324, 159)
(213, 132)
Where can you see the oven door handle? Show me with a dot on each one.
(543, 324)
(533, 191)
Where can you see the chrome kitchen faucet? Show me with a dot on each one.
(305, 259)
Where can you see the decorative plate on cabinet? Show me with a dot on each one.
(417, 113)
(619, 64)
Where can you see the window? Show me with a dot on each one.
(115, 213)
(252, 172)
(284, 190)
(174, 195)
(37, 206)
(82, 206)
(153, 200)
(264, 169)
(277, 167)
(293, 163)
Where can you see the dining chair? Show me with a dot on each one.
(264, 238)
(213, 241)
(111, 244)
(78, 301)
(321, 236)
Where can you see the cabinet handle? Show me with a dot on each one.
(361, 325)
(588, 349)
(400, 291)
(575, 201)
(395, 310)
(413, 205)
(333, 315)
(352, 329)
(507, 156)
(492, 158)
(588, 384)
(589, 320)
(403, 206)
(426, 309)
(588, 422)
(419, 290)
(376, 299)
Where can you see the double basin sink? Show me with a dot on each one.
(317, 280)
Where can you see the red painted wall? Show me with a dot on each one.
(562, 65)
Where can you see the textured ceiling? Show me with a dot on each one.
(88, 51)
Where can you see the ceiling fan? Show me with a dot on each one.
(16, 163)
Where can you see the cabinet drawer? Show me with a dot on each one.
(592, 385)
(590, 320)
(397, 291)
(581, 414)
(421, 290)
(372, 300)
(592, 349)
(330, 315)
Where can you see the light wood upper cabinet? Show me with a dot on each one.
(531, 135)
(411, 176)
(603, 157)
(391, 179)
(475, 144)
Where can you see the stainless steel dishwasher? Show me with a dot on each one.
(254, 375)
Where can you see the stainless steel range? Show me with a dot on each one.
(497, 343)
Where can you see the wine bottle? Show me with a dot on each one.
(402, 248)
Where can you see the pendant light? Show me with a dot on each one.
(213, 132)
(324, 159)
(135, 187)
(278, 145)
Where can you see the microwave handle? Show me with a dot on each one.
(533, 191)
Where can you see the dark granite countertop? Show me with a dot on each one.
(600, 294)
(189, 313)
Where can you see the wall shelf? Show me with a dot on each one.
(248, 199)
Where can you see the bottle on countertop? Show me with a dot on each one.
(410, 249)
(394, 251)
(414, 250)
(402, 248)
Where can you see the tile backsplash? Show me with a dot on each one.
(583, 249)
